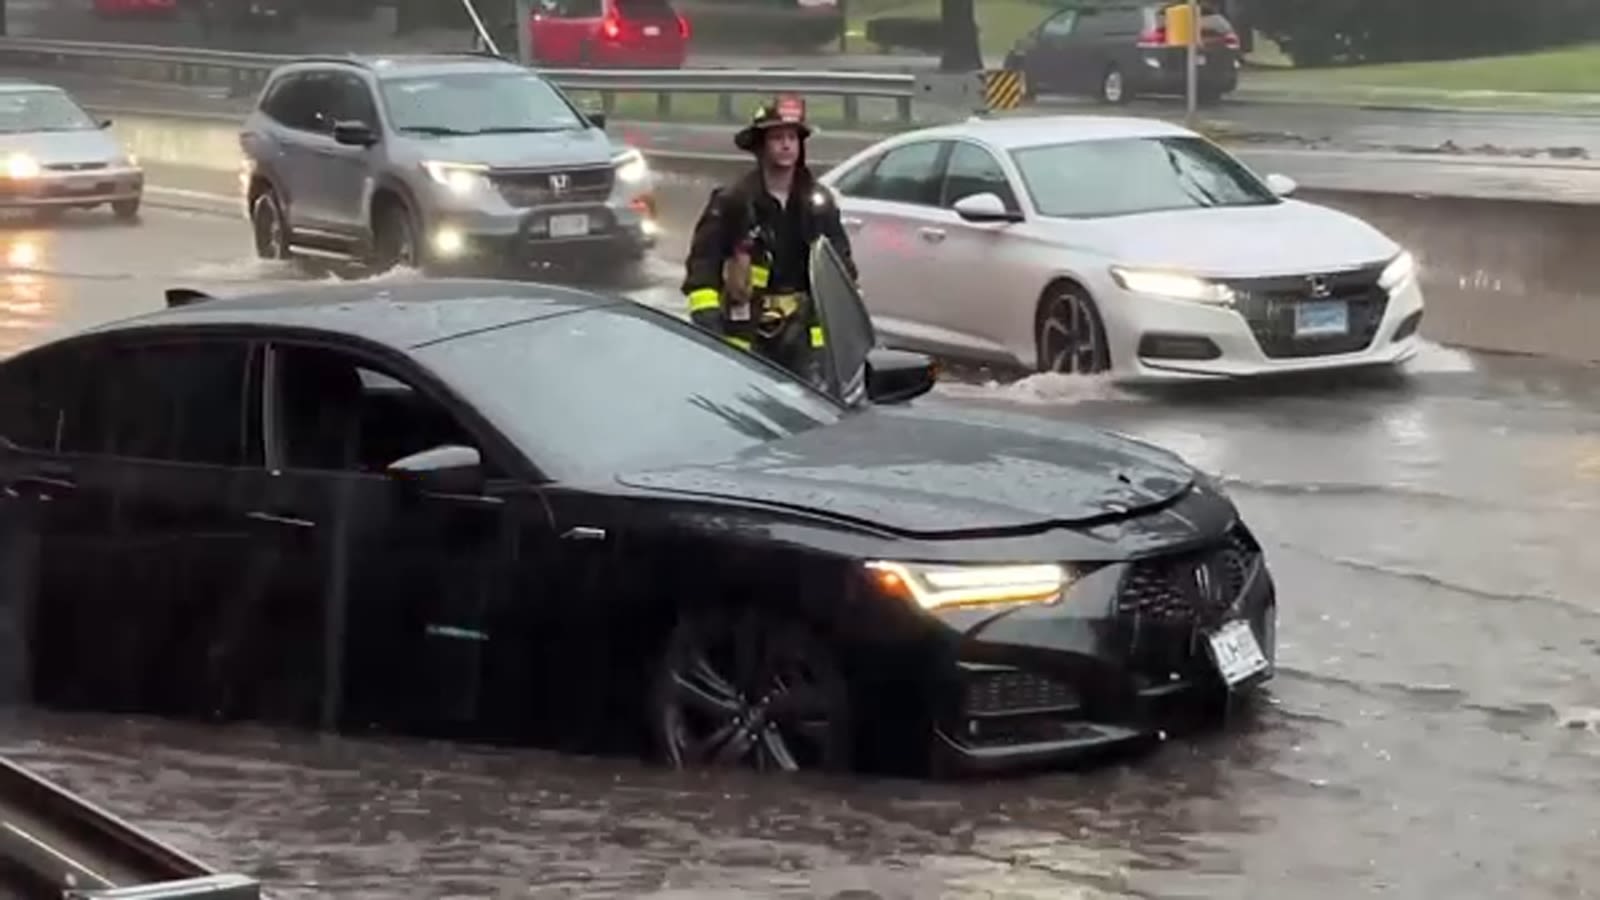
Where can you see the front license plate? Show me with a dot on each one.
(569, 226)
(1236, 653)
(1321, 318)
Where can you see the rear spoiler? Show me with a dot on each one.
(177, 297)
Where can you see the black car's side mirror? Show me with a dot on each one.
(897, 376)
(354, 133)
(597, 119)
(448, 469)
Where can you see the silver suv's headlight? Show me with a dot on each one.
(460, 179)
(631, 167)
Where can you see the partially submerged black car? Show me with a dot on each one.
(519, 512)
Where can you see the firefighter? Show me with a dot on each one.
(747, 275)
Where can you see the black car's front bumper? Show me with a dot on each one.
(1050, 685)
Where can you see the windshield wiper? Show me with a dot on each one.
(439, 130)
(525, 129)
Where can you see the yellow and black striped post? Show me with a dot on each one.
(1003, 88)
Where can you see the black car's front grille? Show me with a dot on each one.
(1195, 588)
(1000, 692)
(527, 189)
(75, 167)
(1268, 305)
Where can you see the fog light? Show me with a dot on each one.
(649, 228)
(22, 255)
(449, 242)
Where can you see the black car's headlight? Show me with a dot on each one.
(933, 586)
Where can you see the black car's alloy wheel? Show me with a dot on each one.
(1069, 335)
(749, 689)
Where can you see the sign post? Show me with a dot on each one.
(1192, 65)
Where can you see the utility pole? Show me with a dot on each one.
(1192, 65)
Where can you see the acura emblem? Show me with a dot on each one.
(1319, 287)
(558, 183)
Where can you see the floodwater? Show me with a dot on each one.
(1434, 731)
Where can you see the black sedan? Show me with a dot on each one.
(514, 512)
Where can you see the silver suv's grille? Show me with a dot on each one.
(540, 188)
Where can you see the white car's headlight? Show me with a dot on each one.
(1400, 270)
(1172, 284)
(21, 165)
(460, 179)
(933, 586)
(631, 167)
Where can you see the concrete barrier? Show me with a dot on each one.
(1504, 275)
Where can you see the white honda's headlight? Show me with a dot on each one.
(1399, 271)
(460, 179)
(21, 165)
(934, 586)
(1177, 285)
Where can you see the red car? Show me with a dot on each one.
(608, 34)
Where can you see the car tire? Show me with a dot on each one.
(394, 238)
(1114, 86)
(1069, 336)
(269, 226)
(126, 210)
(723, 670)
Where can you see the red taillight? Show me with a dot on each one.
(683, 27)
(1154, 37)
(610, 26)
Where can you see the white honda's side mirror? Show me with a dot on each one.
(1282, 185)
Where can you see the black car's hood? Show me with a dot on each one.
(936, 471)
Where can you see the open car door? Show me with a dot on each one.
(845, 322)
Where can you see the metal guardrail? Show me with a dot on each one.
(56, 844)
(244, 73)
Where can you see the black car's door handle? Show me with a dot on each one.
(267, 518)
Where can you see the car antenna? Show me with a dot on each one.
(177, 297)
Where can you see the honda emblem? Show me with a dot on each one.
(558, 183)
(1319, 287)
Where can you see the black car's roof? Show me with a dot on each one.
(402, 315)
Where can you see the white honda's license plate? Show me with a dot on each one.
(1236, 653)
(1321, 318)
(575, 225)
(652, 31)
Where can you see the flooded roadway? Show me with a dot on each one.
(1435, 731)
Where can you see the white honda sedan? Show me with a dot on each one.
(1121, 245)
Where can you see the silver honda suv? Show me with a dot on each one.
(461, 162)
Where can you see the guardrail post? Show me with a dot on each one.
(608, 102)
(664, 105)
(852, 109)
(725, 107)
(902, 108)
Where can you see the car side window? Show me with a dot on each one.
(36, 391)
(852, 182)
(352, 100)
(306, 102)
(909, 174)
(1060, 25)
(172, 401)
(335, 411)
(974, 170)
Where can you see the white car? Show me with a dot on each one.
(1121, 245)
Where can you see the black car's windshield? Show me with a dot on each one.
(477, 103)
(42, 110)
(1124, 176)
(610, 390)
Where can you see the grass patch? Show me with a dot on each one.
(1570, 70)
(1000, 22)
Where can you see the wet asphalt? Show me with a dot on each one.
(1435, 731)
